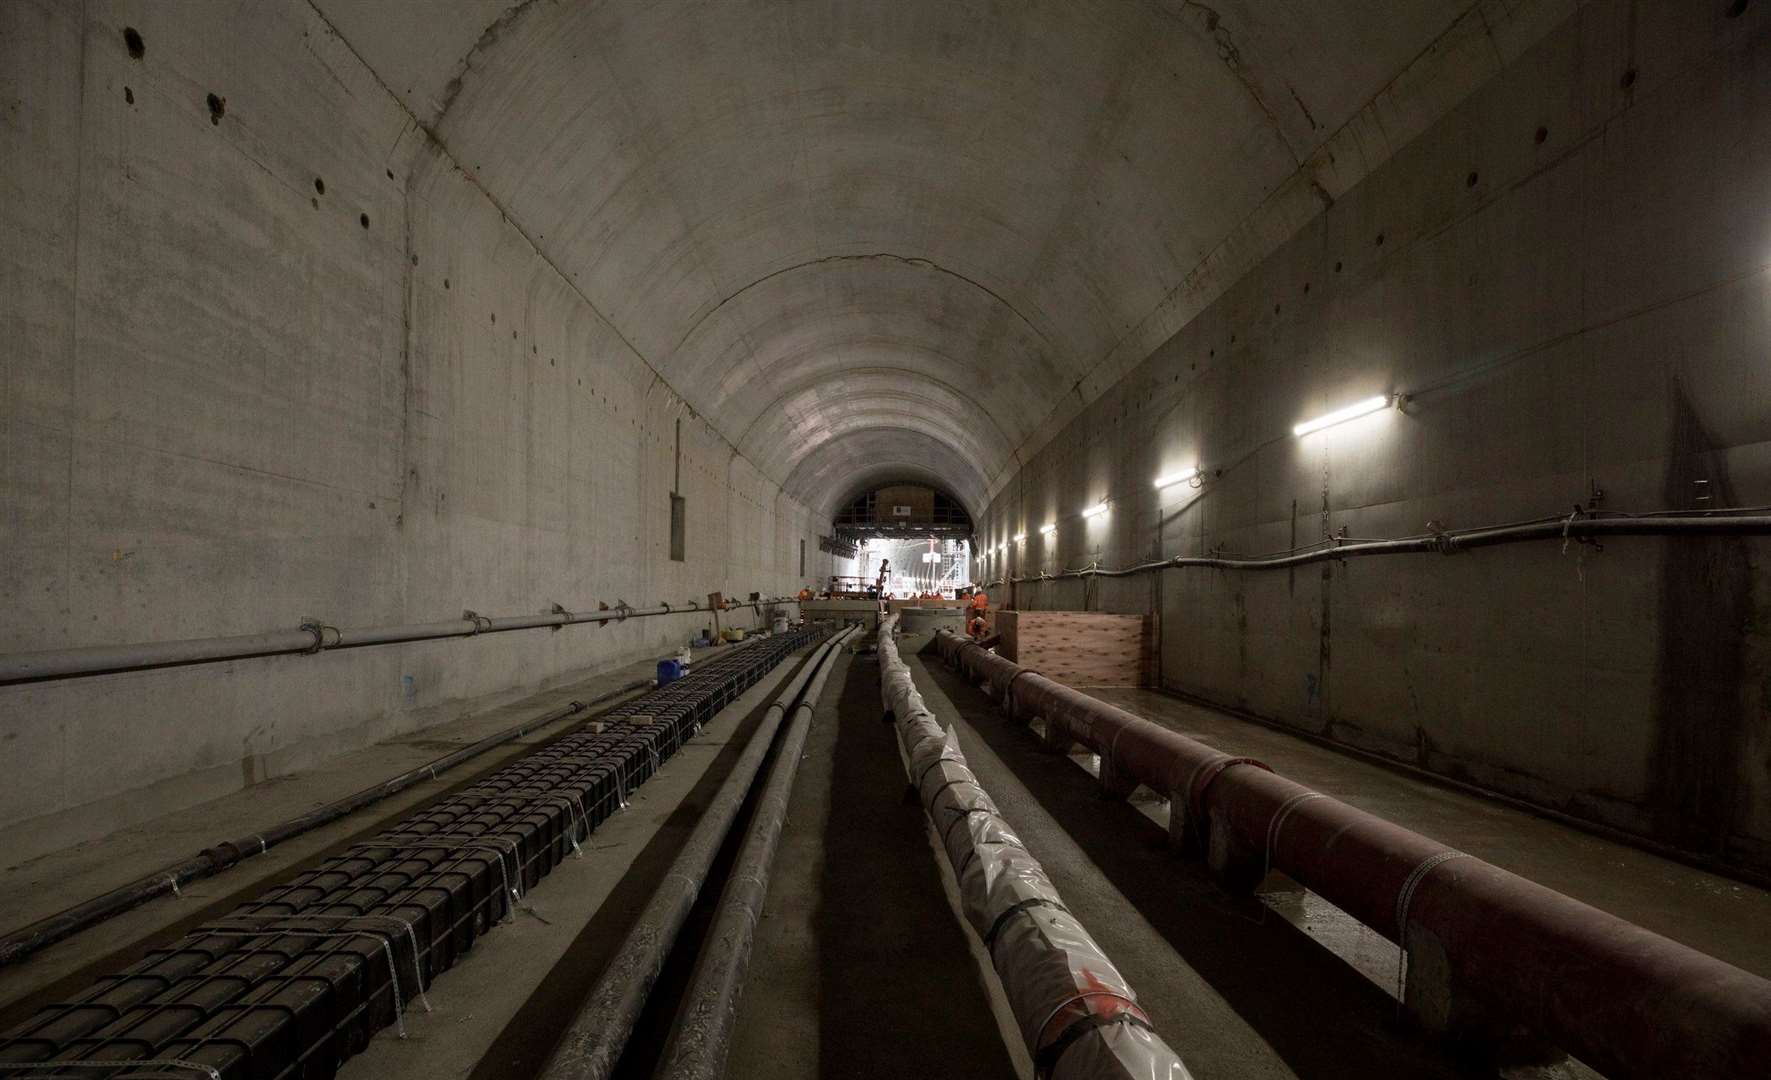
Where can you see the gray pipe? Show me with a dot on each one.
(311, 638)
(593, 1043)
(701, 1035)
(1447, 543)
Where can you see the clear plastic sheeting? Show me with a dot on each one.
(1078, 1017)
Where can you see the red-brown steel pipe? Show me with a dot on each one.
(1489, 952)
(1133, 751)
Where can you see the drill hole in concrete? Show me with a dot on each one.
(217, 107)
(1380, 239)
(314, 202)
(1543, 134)
(1470, 180)
(1275, 309)
(319, 185)
(1628, 80)
(1306, 288)
(363, 220)
(1337, 266)
(1736, 9)
(133, 42)
(129, 95)
(445, 283)
(494, 318)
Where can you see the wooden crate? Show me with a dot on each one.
(1080, 648)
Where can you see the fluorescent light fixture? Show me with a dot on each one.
(1020, 538)
(1047, 530)
(1174, 478)
(1096, 510)
(1000, 548)
(1341, 416)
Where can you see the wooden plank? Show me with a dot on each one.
(1080, 648)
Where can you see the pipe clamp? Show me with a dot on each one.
(318, 629)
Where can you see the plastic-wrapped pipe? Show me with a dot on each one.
(1077, 1014)
(1487, 952)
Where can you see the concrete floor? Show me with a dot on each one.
(863, 956)
(860, 974)
(1714, 914)
(862, 967)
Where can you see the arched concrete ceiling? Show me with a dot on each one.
(856, 235)
(869, 457)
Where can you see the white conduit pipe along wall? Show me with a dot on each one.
(1078, 1016)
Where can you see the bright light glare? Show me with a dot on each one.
(1047, 530)
(1020, 538)
(1340, 416)
(1176, 477)
(1095, 511)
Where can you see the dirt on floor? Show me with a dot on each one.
(861, 968)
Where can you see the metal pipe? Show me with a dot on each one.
(593, 1043)
(64, 924)
(310, 638)
(1487, 951)
(1573, 527)
(701, 1034)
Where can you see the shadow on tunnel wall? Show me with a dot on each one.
(1700, 716)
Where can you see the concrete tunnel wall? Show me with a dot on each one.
(1571, 272)
(1033, 253)
(235, 400)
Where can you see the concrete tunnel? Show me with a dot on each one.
(1293, 477)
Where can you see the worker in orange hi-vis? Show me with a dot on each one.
(805, 594)
(980, 603)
